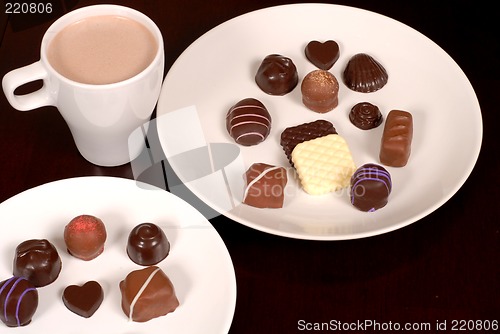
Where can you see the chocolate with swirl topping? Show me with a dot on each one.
(365, 116)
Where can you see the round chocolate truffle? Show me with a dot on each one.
(365, 116)
(371, 186)
(147, 244)
(18, 301)
(277, 75)
(364, 74)
(248, 122)
(320, 91)
(85, 236)
(38, 261)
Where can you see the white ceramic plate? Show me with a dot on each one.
(199, 264)
(218, 70)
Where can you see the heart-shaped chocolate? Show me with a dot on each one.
(322, 55)
(83, 300)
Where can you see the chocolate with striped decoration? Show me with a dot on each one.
(265, 186)
(248, 122)
(146, 294)
(18, 301)
(371, 186)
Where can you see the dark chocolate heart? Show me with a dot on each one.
(83, 300)
(322, 55)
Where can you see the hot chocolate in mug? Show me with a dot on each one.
(102, 67)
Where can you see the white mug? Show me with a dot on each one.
(100, 117)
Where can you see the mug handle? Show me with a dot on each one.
(21, 76)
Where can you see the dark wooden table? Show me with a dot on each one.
(445, 267)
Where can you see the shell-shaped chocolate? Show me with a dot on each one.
(248, 122)
(364, 74)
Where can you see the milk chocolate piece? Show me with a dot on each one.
(38, 261)
(277, 75)
(248, 122)
(85, 236)
(365, 116)
(320, 91)
(371, 186)
(146, 294)
(395, 146)
(147, 244)
(364, 74)
(322, 55)
(265, 186)
(292, 136)
(83, 300)
(18, 301)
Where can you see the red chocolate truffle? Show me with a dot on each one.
(277, 75)
(320, 91)
(38, 261)
(248, 122)
(85, 236)
(18, 301)
(147, 294)
(147, 244)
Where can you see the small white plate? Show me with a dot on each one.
(199, 264)
(218, 70)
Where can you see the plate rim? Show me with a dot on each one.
(357, 235)
(125, 182)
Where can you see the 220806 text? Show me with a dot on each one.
(28, 8)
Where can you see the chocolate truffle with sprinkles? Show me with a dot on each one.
(248, 122)
(371, 186)
(85, 236)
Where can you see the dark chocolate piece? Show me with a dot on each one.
(365, 116)
(371, 186)
(85, 236)
(83, 300)
(364, 74)
(146, 294)
(38, 261)
(322, 55)
(18, 301)
(277, 75)
(320, 91)
(265, 186)
(396, 141)
(147, 244)
(292, 136)
(248, 122)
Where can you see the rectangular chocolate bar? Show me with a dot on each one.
(395, 147)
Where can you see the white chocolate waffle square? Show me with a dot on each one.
(323, 164)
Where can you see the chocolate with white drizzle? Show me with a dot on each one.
(147, 294)
(248, 122)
